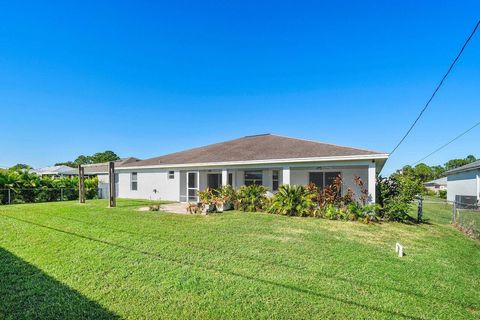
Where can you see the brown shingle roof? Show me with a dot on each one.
(258, 147)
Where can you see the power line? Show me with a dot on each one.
(446, 144)
(437, 88)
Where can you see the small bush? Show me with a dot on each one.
(293, 200)
(251, 198)
(442, 194)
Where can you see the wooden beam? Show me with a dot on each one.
(111, 184)
(81, 184)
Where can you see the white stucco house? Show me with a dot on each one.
(436, 185)
(463, 183)
(266, 159)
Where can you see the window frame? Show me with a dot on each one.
(275, 181)
(252, 181)
(133, 181)
(324, 180)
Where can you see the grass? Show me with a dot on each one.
(66, 260)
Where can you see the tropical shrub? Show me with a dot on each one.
(28, 187)
(442, 194)
(208, 199)
(251, 198)
(293, 200)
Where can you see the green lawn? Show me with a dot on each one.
(66, 260)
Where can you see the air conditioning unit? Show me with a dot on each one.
(466, 202)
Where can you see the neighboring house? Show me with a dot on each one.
(101, 171)
(266, 159)
(437, 184)
(463, 183)
(56, 171)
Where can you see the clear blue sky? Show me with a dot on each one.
(144, 79)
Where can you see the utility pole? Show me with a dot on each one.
(111, 184)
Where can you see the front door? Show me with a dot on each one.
(192, 186)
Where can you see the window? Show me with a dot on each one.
(253, 177)
(171, 175)
(322, 179)
(230, 179)
(275, 180)
(317, 179)
(133, 181)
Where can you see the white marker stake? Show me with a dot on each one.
(399, 249)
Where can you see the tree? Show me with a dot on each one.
(20, 166)
(104, 157)
(68, 164)
(455, 163)
(83, 160)
(98, 157)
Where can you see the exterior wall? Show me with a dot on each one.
(463, 183)
(103, 185)
(152, 184)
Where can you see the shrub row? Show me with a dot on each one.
(26, 187)
(309, 201)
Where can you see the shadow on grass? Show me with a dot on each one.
(182, 263)
(28, 293)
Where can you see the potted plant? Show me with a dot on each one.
(225, 198)
(208, 200)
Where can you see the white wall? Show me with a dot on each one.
(463, 183)
(103, 185)
(147, 182)
(173, 189)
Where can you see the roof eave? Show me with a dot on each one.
(266, 161)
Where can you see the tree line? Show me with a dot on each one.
(424, 172)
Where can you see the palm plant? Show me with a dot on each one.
(293, 200)
(251, 198)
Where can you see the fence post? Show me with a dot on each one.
(454, 212)
(420, 210)
(61, 194)
(9, 197)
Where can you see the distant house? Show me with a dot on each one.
(56, 171)
(436, 185)
(100, 170)
(268, 160)
(463, 183)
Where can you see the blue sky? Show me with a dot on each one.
(148, 78)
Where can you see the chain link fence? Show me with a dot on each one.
(37, 195)
(466, 216)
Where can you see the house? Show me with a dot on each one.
(266, 159)
(100, 170)
(436, 185)
(56, 171)
(463, 183)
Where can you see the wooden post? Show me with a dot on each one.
(111, 184)
(81, 184)
(454, 215)
(9, 197)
